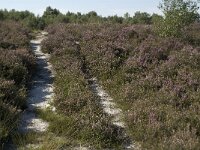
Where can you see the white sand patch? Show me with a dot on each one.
(107, 103)
(41, 92)
(109, 107)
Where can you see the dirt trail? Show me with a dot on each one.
(40, 94)
(111, 109)
(41, 91)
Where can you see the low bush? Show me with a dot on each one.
(13, 35)
(191, 34)
(16, 67)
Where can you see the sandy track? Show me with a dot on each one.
(109, 107)
(41, 91)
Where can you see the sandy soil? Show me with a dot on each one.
(109, 107)
(41, 91)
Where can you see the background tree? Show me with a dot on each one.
(178, 14)
(156, 18)
(1, 15)
(127, 18)
(50, 15)
(141, 18)
(115, 19)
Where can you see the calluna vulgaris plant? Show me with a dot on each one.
(154, 80)
(16, 67)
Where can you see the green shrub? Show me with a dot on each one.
(178, 14)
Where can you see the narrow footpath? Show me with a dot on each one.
(110, 107)
(41, 95)
(41, 91)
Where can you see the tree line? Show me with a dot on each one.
(177, 14)
(51, 15)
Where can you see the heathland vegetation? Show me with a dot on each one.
(149, 64)
(16, 67)
(154, 80)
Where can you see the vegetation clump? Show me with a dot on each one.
(154, 80)
(16, 67)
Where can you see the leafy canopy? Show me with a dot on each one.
(177, 15)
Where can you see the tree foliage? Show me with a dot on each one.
(142, 18)
(53, 16)
(178, 14)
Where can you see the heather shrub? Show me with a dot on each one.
(158, 89)
(192, 35)
(16, 67)
(8, 111)
(13, 35)
(164, 94)
(106, 50)
(12, 68)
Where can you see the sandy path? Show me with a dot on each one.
(41, 91)
(109, 107)
(41, 94)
